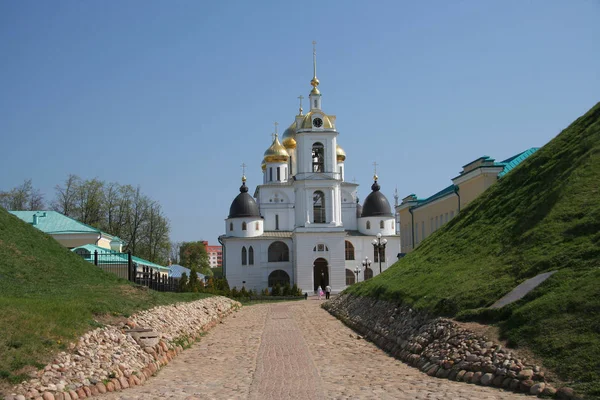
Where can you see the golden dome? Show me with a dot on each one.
(276, 153)
(307, 122)
(263, 166)
(288, 139)
(340, 153)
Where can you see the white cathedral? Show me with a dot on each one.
(305, 225)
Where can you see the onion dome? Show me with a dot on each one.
(243, 205)
(307, 121)
(263, 166)
(276, 153)
(376, 204)
(340, 153)
(289, 137)
(358, 208)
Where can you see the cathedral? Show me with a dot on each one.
(305, 225)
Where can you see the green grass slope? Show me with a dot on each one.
(543, 216)
(49, 296)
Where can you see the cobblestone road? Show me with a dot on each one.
(294, 350)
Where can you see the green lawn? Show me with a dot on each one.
(49, 296)
(543, 216)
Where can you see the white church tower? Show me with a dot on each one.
(309, 229)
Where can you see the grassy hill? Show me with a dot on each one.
(543, 216)
(49, 296)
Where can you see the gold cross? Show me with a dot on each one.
(243, 169)
(276, 123)
(375, 165)
(300, 97)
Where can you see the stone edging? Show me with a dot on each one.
(114, 358)
(439, 347)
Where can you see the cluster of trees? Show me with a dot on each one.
(120, 210)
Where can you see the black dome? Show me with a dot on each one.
(243, 205)
(358, 209)
(376, 204)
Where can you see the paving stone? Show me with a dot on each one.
(294, 350)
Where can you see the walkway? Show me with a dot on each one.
(294, 350)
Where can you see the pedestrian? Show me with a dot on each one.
(327, 292)
(320, 291)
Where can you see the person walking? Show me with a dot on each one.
(320, 291)
(327, 292)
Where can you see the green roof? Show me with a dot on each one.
(54, 222)
(509, 164)
(113, 257)
(512, 162)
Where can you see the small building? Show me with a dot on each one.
(419, 218)
(68, 231)
(175, 271)
(116, 262)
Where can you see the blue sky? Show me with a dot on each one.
(174, 96)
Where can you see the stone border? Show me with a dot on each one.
(439, 347)
(114, 358)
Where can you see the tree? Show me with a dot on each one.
(194, 283)
(174, 252)
(22, 198)
(64, 202)
(183, 283)
(193, 254)
(89, 199)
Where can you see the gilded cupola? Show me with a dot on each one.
(340, 154)
(289, 137)
(276, 153)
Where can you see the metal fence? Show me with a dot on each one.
(122, 265)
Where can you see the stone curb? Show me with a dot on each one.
(439, 347)
(120, 375)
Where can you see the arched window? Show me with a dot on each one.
(257, 226)
(368, 224)
(278, 276)
(250, 256)
(278, 251)
(231, 226)
(318, 157)
(319, 207)
(320, 247)
(350, 277)
(381, 224)
(368, 274)
(349, 250)
(244, 226)
(382, 252)
(244, 258)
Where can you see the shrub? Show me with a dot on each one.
(234, 292)
(276, 290)
(266, 292)
(287, 289)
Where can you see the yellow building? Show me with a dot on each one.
(419, 218)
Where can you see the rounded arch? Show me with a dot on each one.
(250, 256)
(244, 256)
(278, 276)
(381, 224)
(244, 226)
(349, 250)
(320, 273)
(318, 157)
(319, 216)
(278, 251)
(350, 277)
(368, 224)
(368, 274)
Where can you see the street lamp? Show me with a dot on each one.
(357, 271)
(366, 264)
(379, 246)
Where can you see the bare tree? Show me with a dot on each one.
(23, 198)
(64, 201)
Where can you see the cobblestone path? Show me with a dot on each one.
(294, 350)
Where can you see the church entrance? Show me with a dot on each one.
(320, 274)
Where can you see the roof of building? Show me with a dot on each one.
(509, 164)
(175, 271)
(512, 162)
(55, 222)
(376, 204)
(243, 205)
(112, 257)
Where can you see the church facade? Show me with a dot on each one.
(304, 225)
